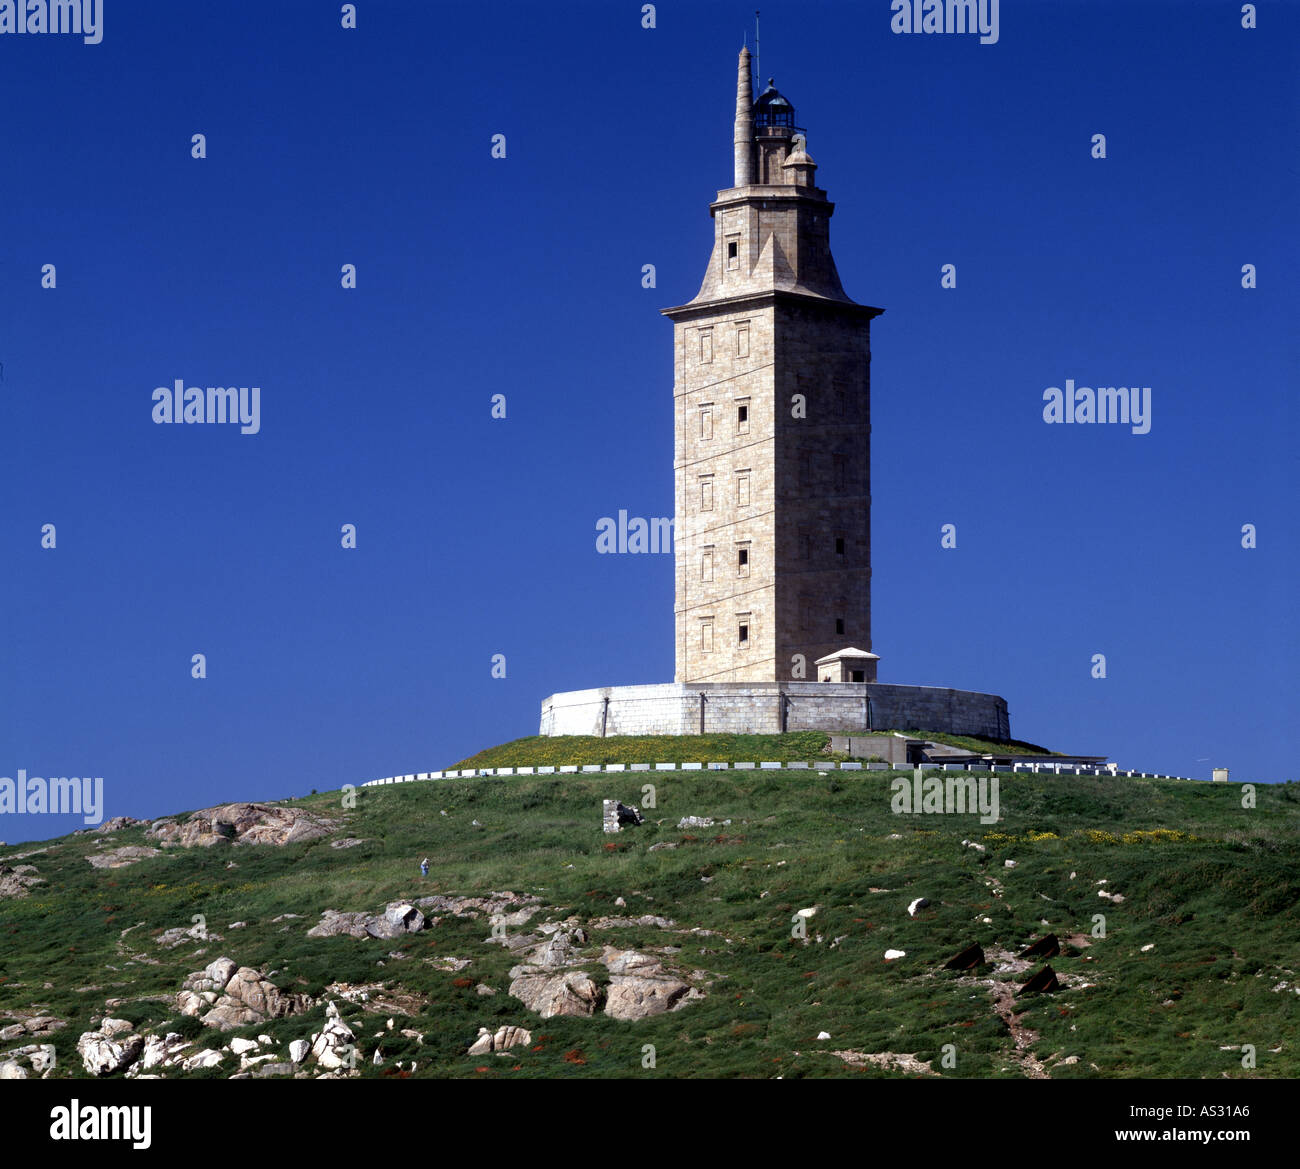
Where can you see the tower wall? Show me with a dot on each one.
(724, 491)
(822, 484)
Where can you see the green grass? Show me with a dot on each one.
(1212, 885)
(590, 750)
(563, 750)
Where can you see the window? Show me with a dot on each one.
(706, 635)
(857, 675)
(706, 564)
(744, 633)
(744, 624)
(839, 403)
(742, 341)
(839, 545)
(839, 624)
(706, 422)
(742, 417)
(733, 253)
(837, 470)
(742, 489)
(742, 560)
(706, 346)
(706, 493)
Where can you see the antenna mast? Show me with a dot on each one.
(758, 56)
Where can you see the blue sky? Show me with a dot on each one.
(522, 276)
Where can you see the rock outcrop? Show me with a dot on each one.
(242, 824)
(116, 823)
(39, 1055)
(398, 918)
(552, 982)
(408, 917)
(36, 1025)
(646, 919)
(119, 858)
(17, 880)
(502, 1039)
(227, 996)
(105, 1052)
(639, 986)
(696, 822)
(569, 992)
(179, 935)
(333, 1047)
(510, 908)
(905, 1062)
(160, 1051)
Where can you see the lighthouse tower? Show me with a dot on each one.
(772, 428)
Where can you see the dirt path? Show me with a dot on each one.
(1004, 1003)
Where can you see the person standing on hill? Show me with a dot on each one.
(424, 867)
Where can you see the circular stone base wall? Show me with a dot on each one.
(679, 708)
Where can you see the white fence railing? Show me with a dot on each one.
(606, 768)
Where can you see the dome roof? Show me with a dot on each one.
(771, 109)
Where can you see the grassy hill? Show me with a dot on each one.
(1193, 962)
(797, 746)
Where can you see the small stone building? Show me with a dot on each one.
(848, 665)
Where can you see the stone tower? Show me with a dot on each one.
(772, 426)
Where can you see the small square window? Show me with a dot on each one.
(857, 676)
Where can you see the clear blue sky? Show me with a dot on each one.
(522, 276)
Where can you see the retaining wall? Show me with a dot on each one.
(693, 708)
